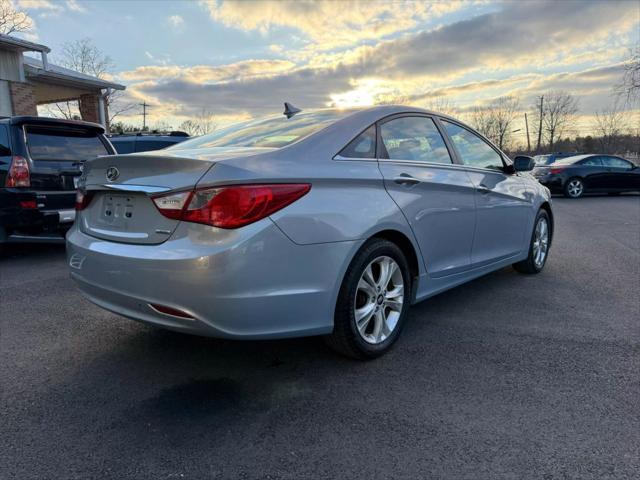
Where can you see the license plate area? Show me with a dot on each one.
(117, 210)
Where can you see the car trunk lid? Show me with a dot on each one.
(122, 186)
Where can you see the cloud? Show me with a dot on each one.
(75, 6)
(207, 73)
(44, 5)
(176, 21)
(330, 24)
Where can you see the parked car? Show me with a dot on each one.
(40, 164)
(549, 158)
(575, 176)
(330, 222)
(145, 142)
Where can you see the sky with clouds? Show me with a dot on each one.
(243, 59)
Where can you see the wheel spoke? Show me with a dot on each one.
(384, 265)
(368, 277)
(366, 287)
(378, 326)
(364, 316)
(397, 292)
(395, 305)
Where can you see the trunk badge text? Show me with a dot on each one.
(112, 174)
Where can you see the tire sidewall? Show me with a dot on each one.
(541, 213)
(377, 249)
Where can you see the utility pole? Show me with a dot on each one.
(144, 115)
(540, 125)
(526, 124)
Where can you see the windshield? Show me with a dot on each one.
(272, 132)
(47, 143)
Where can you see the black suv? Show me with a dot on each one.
(145, 141)
(40, 162)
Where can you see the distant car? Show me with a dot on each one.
(575, 176)
(145, 142)
(40, 163)
(549, 158)
(324, 222)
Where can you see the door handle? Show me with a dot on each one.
(406, 179)
(483, 189)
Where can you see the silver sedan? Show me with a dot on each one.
(325, 222)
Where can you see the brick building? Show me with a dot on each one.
(26, 82)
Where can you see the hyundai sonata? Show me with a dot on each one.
(327, 222)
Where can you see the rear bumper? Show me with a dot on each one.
(33, 216)
(249, 283)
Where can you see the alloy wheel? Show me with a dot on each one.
(575, 188)
(379, 299)
(540, 242)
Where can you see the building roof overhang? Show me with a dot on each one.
(34, 70)
(12, 43)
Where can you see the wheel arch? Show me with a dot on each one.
(546, 206)
(405, 244)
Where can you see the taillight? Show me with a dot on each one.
(230, 207)
(83, 199)
(173, 204)
(556, 170)
(18, 175)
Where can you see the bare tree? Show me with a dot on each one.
(201, 124)
(483, 121)
(505, 110)
(558, 115)
(12, 20)
(610, 124)
(442, 105)
(629, 88)
(495, 121)
(84, 57)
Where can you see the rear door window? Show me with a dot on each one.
(616, 162)
(57, 144)
(592, 162)
(5, 149)
(414, 139)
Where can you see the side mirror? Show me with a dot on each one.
(522, 163)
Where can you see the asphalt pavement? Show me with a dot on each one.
(509, 376)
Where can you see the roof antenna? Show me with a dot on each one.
(290, 110)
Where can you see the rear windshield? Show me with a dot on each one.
(46, 143)
(542, 159)
(273, 132)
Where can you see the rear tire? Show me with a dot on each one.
(373, 301)
(574, 188)
(538, 245)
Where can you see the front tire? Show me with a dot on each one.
(574, 188)
(538, 246)
(373, 301)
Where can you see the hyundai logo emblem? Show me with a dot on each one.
(112, 174)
